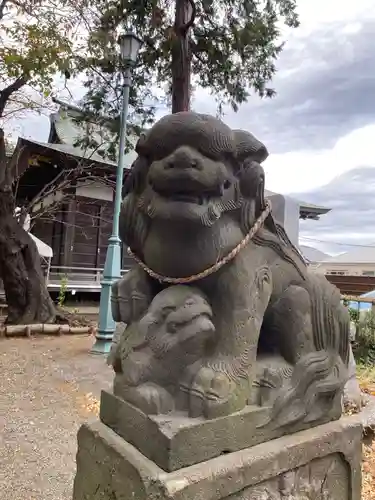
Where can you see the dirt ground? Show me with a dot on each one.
(48, 387)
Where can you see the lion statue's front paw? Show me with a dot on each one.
(213, 393)
(151, 398)
(138, 368)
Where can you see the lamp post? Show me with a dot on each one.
(129, 47)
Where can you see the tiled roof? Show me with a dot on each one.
(307, 210)
(313, 254)
(67, 149)
(69, 131)
(363, 255)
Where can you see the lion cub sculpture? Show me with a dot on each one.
(177, 326)
(268, 332)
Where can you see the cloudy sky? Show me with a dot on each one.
(320, 125)
(322, 121)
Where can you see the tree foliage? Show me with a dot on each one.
(36, 41)
(227, 46)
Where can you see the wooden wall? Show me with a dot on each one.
(79, 233)
(352, 285)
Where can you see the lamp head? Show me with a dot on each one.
(130, 44)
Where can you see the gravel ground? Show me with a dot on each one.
(48, 387)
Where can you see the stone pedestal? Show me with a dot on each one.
(321, 463)
(175, 441)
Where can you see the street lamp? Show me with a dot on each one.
(129, 48)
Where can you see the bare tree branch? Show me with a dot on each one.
(185, 28)
(2, 8)
(9, 90)
(196, 53)
(3, 158)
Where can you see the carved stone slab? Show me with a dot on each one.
(322, 463)
(174, 441)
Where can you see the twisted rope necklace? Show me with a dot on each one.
(213, 269)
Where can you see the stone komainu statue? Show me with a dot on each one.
(270, 332)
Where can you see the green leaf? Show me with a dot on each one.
(234, 46)
(37, 41)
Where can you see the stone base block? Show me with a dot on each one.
(322, 463)
(175, 441)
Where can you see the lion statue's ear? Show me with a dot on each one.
(251, 182)
(251, 178)
(250, 153)
(249, 147)
(140, 147)
(133, 225)
(136, 178)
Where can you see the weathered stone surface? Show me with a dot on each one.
(352, 391)
(229, 342)
(221, 310)
(321, 479)
(174, 441)
(322, 463)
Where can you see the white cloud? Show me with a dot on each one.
(294, 170)
(288, 172)
(313, 14)
(306, 170)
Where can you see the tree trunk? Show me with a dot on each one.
(20, 269)
(181, 55)
(25, 289)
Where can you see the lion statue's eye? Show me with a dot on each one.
(168, 309)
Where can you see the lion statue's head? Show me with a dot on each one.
(191, 169)
(177, 326)
(179, 317)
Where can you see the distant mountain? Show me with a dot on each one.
(351, 222)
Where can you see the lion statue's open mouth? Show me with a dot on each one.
(185, 195)
(184, 185)
(188, 202)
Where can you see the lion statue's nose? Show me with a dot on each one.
(183, 160)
